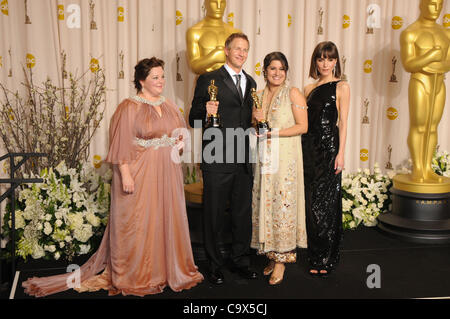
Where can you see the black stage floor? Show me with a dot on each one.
(407, 270)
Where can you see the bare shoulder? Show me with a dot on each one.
(297, 97)
(343, 86)
(308, 88)
(295, 93)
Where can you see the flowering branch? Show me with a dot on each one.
(58, 121)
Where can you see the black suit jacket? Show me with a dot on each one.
(234, 114)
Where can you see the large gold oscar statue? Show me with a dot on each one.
(206, 40)
(421, 200)
(424, 53)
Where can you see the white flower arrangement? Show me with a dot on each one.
(366, 195)
(441, 163)
(63, 217)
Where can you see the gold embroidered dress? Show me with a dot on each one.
(278, 203)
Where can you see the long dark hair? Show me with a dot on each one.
(326, 49)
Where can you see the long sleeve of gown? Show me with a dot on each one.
(122, 132)
(181, 129)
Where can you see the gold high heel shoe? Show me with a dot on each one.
(276, 280)
(269, 268)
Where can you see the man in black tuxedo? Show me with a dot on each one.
(226, 167)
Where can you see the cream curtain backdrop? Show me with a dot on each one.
(145, 28)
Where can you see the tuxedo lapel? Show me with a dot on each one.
(248, 86)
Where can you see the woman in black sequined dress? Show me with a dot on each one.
(323, 158)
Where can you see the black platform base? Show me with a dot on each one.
(420, 218)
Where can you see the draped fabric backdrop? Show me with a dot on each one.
(129, 30)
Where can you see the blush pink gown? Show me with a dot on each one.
(146, 244)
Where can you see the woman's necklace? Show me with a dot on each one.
(158, 102)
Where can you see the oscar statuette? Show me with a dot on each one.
(420, 210)
(262, 127)
(213, 119)
(389, 164)
(366, 118)
(320, 28)
(393, 76)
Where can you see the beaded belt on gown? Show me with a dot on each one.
(157, 142)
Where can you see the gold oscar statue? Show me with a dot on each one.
(262, 126)
(206, 39)
(213, 119)
(424, 53)
(420, 210)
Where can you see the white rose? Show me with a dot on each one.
(47, 228)
(38, 252)
(75, 220)
(58, 223)
(57, 255)
(62, 244)
(92, 219)
(84, 249)
(83, 233)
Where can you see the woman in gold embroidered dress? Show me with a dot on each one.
(146, 244)
(278, 192)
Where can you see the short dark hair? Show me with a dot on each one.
(275, 56)
(143, 68)
(235, 36)
(326, 49)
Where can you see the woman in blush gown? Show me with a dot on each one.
(323, 158)
(146, 244)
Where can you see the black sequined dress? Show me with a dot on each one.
(322, 186)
